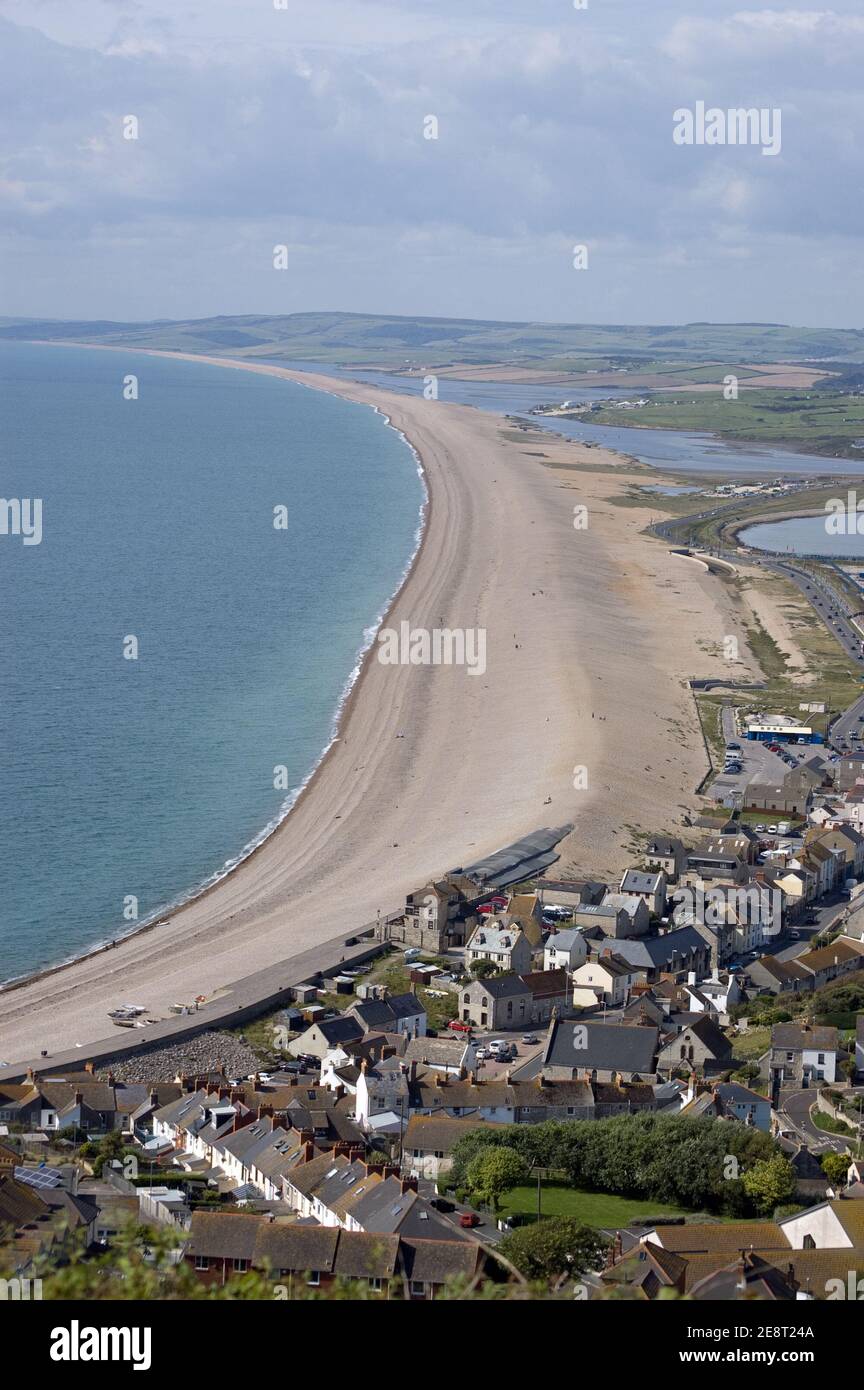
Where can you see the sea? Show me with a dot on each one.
(216, 550)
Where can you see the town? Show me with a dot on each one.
(495, 1094)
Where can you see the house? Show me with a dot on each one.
(619, 915)
(666, 853)
(843, 956)
(850, 844)
(448, 1054)
(564, 949)
(600, 1052)
(681, 950)
(702, 1044)
(427, 1150)
(525, 910)
(504, 945)
(320, 1038)
(715, 996)
(548, 990)
(728, 1100)
(397, 1013)
(801, 1053)
(649, 885)
(569, 892)
(773, 976)
(604, 979)
(499, 1001)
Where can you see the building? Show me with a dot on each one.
(802, 1053)
(504, 945)
(674, 952)
(499, 1001)
(604, 979)
(666, 853)
(619, 915)
(728, 1100)
(396, 1013)
(649, 885)
(701, 1044)
(564, 950)
(600, 1052)
(320, 1038)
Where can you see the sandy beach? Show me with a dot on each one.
(591, 636)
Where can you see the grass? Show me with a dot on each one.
(750, 1046)
(818, 422)
(601, 1209)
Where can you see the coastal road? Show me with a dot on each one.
(794, 1114)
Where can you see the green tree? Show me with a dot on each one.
(493, 1172)
(557, 1245)
(482, 969)
(769, 1183)
(835, 1167)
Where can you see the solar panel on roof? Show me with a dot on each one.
(38, 1177)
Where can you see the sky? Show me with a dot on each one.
(303, 126)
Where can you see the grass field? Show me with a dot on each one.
(816, 422)
(593, 1208)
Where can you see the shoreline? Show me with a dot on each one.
(478, 762)
(162, 916)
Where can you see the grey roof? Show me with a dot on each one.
(526, 858)
(378, 1013)
(640, 881)
(652, 952)
(336, 1030)
(564, 940)
(608, 1047)
(502, 986)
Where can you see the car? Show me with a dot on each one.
(442, 1204)
(736, 746)
(811, 919)
(529, 1039)
(498, 1045)
(760, 829)
(772, 830)
(469, 1219)
(794, 936)
(481, 1054)
(457, 1026)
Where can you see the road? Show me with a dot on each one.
(847, 732)
(794, 1114)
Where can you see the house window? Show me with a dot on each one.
(375, 1285)
(314, 1279)
(202, 1262)
(418, 1288)
(821, 1059)
(466, 998)
(241, 1266)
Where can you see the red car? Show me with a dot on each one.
(469, 1219)
(458, 1026)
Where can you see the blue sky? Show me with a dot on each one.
(304, 126)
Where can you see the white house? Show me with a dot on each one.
(565, 949)
(604, 980)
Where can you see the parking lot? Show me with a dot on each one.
(758, 762)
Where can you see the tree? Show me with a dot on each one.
(482, 969)
(495, 1171)
(557, 1245)
(835, 1167)
(769, 1183)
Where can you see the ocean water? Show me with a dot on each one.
(681, 450)
(124, 778)
(808, 535)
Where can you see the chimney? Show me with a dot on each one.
(408, 1185)
(413, 1069)
(78, 1098)
(390, 1172)
(308, 1152)
(307, 1136)
(154, 1098)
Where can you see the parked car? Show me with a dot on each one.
(772, 830)
(442, 1204)
(760, 829)
(529, 1039)
(458, 1026)
(480, 1054)
(469, 1219)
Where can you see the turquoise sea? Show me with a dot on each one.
(143, 779)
